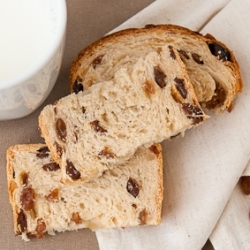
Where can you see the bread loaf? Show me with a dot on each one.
(128, 195)
(144, 103)
(211, 66)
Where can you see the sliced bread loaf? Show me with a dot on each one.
(211, 66)
(144, 103)
(129, 195)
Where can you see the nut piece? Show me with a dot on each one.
(220, 52)
(181, 87)
(95, 125)
(27, 198)
(133, 187)
(21, 222)
(71, 171)
(159, 77)
(61, 129)
(43, 152)
(52, 166)
(245, 184)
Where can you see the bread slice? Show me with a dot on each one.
(144, 103)
(211, 66)
(129, 195)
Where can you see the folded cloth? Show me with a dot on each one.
(201, 169)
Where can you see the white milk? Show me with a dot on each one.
(27, 30)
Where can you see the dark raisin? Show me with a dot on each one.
(61, 129)
(106, 152)
(184, 54)
(245, 184)
(193, 112)
(181, 87)
(149, 26)
(21, 222)
(143, 217)
(13, 174)
(52, 166)
(220, 52)
(159, 77)
(72, 172)
(133, 187)
(77, 86)
(83, 110)
(197, 58)
(27, 198)
(172, 54)
(42, 152)
(96, 126)
(97, 61)
(218, 98)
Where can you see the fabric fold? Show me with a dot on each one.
(201, 169)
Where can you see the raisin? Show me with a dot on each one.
(172, 54)
(43, 152)
(27, 198)
(149, 87)
(220, 52)
(133, 187)
(21, 222)
(52, 166)
(193, 112)
(143, 217)
(71, 171)
(59, 149)
(245, 184)
(40, 228)
(218, 98)
(150, 26)
(97, 61)
(13, 174)
(95, 125)
(155, 150)
(107, 153)
(25, 178)
(53, 195)
(83, 110)
(76, 218)
(159, 77)
(77, 86)
(184, 54)
(197, 58)
(61, 129)
(181, 87)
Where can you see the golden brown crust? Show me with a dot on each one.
(160, 31)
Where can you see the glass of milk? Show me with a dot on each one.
(31, 50)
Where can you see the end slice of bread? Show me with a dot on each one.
(129, 195)
(211, 65)
(144, 103)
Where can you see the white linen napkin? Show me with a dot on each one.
(201, 169)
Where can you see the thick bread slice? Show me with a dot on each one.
(212, 67)
(144, 103)
(129, 195)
